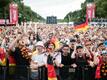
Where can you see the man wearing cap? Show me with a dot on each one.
(66, 64)
(81, 62)
(36, 60)
(72, 43)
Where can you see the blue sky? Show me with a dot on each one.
(57, 8)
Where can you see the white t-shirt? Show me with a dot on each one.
(38, 58)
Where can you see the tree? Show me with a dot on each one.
(24, 11)
(4, 3)
(101, 8)
(80, 15)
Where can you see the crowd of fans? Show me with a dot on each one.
(79, 55)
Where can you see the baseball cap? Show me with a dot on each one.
(40, 43)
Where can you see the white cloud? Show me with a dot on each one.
(57, 8)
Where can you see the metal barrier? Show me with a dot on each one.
(23, 72)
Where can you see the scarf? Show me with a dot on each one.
(51, 69)
(98, 75)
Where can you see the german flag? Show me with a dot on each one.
(2, 57)
(51, 69)
(12, 61)
(51, 72)
(56, 42)
(81, 27)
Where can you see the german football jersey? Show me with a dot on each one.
(103, 70)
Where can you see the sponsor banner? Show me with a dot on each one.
(90, 11)
(13, 13)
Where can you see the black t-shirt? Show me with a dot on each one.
(71, 51)
(81, 61)
(67, 61)
(20, 60)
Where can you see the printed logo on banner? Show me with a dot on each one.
(90, 11)
(13, 13)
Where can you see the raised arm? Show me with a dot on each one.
(14, 42)
(85, 48)
(73, 54)
(3, 43)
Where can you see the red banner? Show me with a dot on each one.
(90, 12)
(13, 13)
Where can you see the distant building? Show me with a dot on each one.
(51, 20)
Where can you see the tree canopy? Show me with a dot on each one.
(80, 15)
(25, 12)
